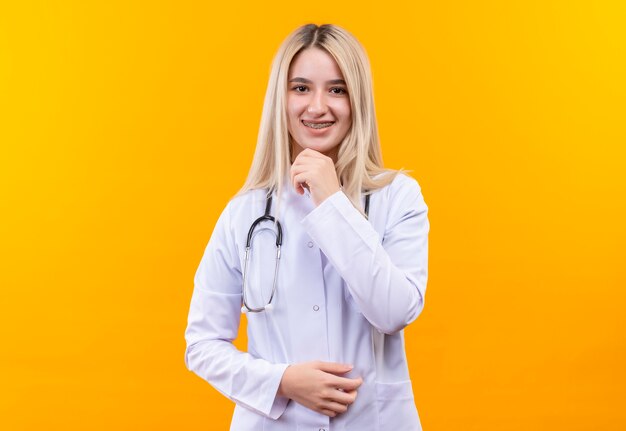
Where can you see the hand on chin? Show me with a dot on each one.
(315, 172)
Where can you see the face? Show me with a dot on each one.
(318, 105)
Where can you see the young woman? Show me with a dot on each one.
(326, 252)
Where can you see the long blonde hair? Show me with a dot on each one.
(359, 161)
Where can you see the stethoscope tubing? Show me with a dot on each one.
(279, 242)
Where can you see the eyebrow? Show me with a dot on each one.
(308, 81)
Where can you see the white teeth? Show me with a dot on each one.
(317, 125)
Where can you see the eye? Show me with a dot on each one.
(338, 90)
(300, 88)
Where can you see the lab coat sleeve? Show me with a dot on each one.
(386, 279)
(213, 323)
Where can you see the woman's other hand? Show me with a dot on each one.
(316, 172)
(317, 385)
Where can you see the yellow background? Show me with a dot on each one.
(126, 126)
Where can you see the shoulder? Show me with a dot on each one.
(403, 186)
(243, 208)
(244, 201)
(404, 181)
(404, 195)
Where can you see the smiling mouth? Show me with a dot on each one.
(318, 125)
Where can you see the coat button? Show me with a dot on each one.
(315, 308)
(310, 244)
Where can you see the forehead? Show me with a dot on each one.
(313, 62)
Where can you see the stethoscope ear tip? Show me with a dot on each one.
(269, 307)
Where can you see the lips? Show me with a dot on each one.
(317, 124)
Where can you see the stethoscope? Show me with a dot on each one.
(278, 232)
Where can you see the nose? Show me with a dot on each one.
(317, 104)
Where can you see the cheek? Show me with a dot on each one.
(295, 105)
(345, 111)
(292, 121)
(291, 113)
(347, 118)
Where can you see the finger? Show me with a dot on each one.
(298, 169)
(345, 398)
(318, 159)
(306, 164)
(336, 407)
(347, 384)
(333, 367)
(309, 155)
(309, 152)
(293, 172)
(298, 182)
(352, 394)
(305, 174)
(326, 412)
(297, 186)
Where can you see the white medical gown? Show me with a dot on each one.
(347, 286)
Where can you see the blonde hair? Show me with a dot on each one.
(359, 161)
